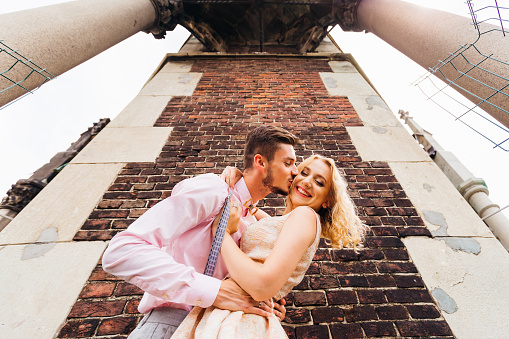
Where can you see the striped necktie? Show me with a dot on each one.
(218, 238)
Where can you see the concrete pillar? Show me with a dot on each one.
(427, 36)
(476, 193)
(60, 37)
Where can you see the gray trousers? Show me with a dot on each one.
(160, 323)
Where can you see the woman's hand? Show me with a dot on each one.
(233, 219)
(231, 175)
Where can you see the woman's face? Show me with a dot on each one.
(312, 185)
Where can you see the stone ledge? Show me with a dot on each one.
(133, 144)
(471, 289)
(63, 205)
(37, 293)
(391, 144)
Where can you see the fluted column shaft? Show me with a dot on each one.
(427, 36)
(60, 37)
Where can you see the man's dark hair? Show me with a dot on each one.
(265, 140)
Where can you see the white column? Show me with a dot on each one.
(427, 36)
(60, 37)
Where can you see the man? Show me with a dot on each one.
(164, 252)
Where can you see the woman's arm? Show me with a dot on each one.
(264, 281)
(231, 175)
(261, 214)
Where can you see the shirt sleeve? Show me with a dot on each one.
(138, 254)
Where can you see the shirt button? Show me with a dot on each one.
(198, 303)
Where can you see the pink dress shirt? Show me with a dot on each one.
(164, 251)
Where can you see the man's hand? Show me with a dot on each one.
(280, 310)
(232, 297)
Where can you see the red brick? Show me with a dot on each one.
(327, 315)
(384, 242)
(371, 254)
(395, 254)
(96, 225)
(312, 332)
(381, 281)
(402, 211)
(290, 331)
(314, 268)
(346, 331)
(297, 316)
(375, 211)
(120, 187)
(393, 312)
(79, 328)
(84, 309)
(136, 213)
(94, 235)
(130, 179)
(408, 296)
(361, 267)
(413, 231)
(132, 306)
(120, 195)
(323, 282)
(414, 221)
(371, 296)
(121, 224)
(360, 313)
(334, 268)
(99, 274)
(97, 290)
(423, 328)
(382, 202)
(120, 214)
(124, 289)
(385, 231)
(342, 297)
(396, 267)
(423, 311)
(379, 329)
(353, 281)
(344, 255)
(309, 298)
(303, 285)
(133, 204)
(109, 204)
(149, 195)
(117, 325)
(396, 221)
(159, 178)
(406, 281)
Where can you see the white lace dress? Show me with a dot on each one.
(257, 242)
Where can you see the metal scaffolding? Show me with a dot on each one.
(487, 19)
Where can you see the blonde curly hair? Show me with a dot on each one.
(340, 222)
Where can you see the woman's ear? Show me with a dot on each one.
(325, 204)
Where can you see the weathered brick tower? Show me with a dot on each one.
(430, 269)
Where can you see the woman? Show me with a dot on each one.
(275, 252)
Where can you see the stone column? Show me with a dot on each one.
(427, 36)
(59, 37)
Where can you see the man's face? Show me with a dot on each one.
(281, 170)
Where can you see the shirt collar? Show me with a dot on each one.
(243, 193)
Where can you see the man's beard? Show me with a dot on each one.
(269, 182)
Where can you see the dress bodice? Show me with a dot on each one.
(259, 239)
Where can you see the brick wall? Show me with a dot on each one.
(376, 293)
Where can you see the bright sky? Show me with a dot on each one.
(40, 125)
